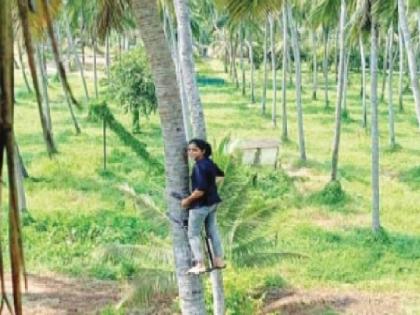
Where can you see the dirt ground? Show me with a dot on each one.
(330, 301)
(58, 295)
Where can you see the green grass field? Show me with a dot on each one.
(76, 208)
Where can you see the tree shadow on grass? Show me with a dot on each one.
(411, 177)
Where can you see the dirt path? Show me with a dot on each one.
(58, 295)
(329, 301)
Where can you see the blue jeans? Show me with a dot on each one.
(207, 216)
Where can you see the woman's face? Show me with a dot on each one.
(194, 152)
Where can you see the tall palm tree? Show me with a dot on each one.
(70, 99)
(314, 65)
(363, 68)
(264, 93)
(146, 12)
(187, 67)
(44, 115)
(75, 54)
(401, 57)
(391, 128)
(412, 66)
(7, 144)
(325, 14)
(241, 57)
(374, 113)
(340, 89)
(284, 134)
(298, 73)
(274, 71)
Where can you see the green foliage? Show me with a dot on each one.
(131, 83)
(331, 194)
(98, 111)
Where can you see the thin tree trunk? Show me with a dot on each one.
(191, 293)
(314, 66)
(264, 94)
(226, 58)
(25, 78)
(44, 117)
(340, 90)
(284, 128)
(21, 198)
(76, 56)
(325, 67)
(346, 78)
(401, 63)
(7, 143)
(273, 70)
(251, 61)
(234, 68)
(95, 68)
(45, 110)
(187, 66)
(241, 59)
(107, 58)
(336, 56)
(363, 61)
(384, 65)
(390, 105)
(374, 128)
(298, 73)
(411, 57)
(56, 53)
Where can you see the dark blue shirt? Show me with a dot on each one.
(203, 178)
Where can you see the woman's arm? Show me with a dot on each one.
(195, 195)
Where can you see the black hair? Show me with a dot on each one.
(203, 145)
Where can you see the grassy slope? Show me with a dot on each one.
(77, 207)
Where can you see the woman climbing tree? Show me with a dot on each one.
(202, 204)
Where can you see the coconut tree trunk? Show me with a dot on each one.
(374, 128)
(401, 63)
(25, 78)
(314, 66)
(284, 134)
(7, 144)
(76, 56)
(340, 90)
(325, 67)
(21, 201)
(107, 57)
(241, 58)
(45, 117)
(336, 55)
(389, 79)
(56, 53)
(384, 66)
(298, 73)
(234, 47)
(264, 93)
(95, 67)
(363, 62)
(226, 47)
(191, 293)
(346, 78)
(187, 68)
(175, 56)
(45, 110)
(274, 76)
(251, 61)
(402, 17)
